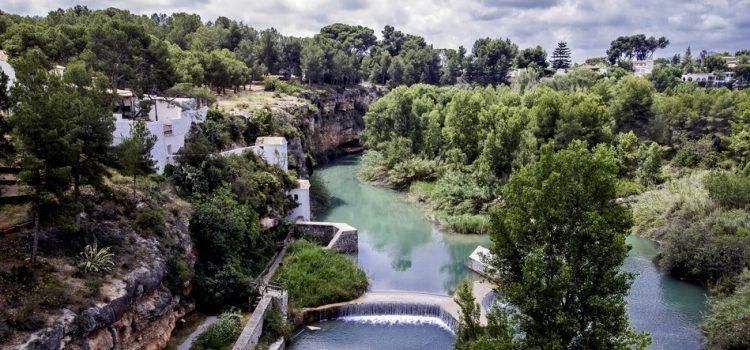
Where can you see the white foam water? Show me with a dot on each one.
(398, 319)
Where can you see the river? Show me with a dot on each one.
(400, 249)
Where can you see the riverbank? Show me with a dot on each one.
(400, 249)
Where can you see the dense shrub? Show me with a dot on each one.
(727, 324)
(271, 83)
(275, 326)
(672, 207)
(149, 221)
(230, 248)
(730, 190)
(314, 276)
(706, 256)
(221, 334)
(178, 273)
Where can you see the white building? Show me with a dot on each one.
(643, 67)
(7, 69)
(479, 261)
(170, 129)
(301, 195)
(273, 149)
(731, 61)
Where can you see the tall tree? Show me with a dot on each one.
(490, 61)
(558, 243)
(561, 56)
(532, 57)
(42, 120)
(135, 152)
(312, 60)
(91, 135)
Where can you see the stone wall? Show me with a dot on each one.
(253, 329)
(335, 236)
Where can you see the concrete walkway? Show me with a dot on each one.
(198, 330)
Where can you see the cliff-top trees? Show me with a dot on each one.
(634, 46)
(559, 243)
(490, 61)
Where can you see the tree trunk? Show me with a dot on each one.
(35, 241)
(77, 187)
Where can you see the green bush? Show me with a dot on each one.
(421, 190)
(149, 221)
(467, 223)
(271, 83)
(221, 334)
(727, 324)
(178, 273)
(412, 169)
(96, 260)
(626, 187)
(730, 190)
(704, 256)
(315, 277)
(275, 326)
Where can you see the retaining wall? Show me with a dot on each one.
(338, 237)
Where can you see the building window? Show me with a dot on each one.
(169, 149)
(296, 197)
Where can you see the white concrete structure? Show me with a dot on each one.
(301, 195)
(7, 69)
(643, 67)
(170, 130)
(478, 261)
(273, 149)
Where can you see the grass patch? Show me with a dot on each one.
(221, 334)
(315, 277)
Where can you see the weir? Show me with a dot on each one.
(386, 308)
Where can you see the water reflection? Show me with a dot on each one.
(398, 247)
(400, 250)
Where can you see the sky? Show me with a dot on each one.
(587, 25)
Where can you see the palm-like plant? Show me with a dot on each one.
(96, 260)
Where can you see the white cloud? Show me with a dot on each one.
(588, 25)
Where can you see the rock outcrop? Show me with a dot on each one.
(338, 121)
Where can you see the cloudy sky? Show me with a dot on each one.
(588, 25)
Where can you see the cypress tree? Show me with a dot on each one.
(561, 56)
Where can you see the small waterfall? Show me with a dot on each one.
(389, 309)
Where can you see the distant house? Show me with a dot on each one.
(594, 68)
(7, 69)
(731, 61)
(708, 79)
(643, 67)
(175, 116)
(273, 149)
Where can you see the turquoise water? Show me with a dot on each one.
(356, 335)
(400, 250)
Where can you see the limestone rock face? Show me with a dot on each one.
(339, 121)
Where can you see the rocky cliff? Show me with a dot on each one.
(338, 122)
(135, 306)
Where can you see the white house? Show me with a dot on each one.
(273, 149)
(731, 61)
(301, 195)
(643, 67)
(170, 128)
(7, 69)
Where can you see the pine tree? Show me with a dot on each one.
(135, 152)
(561, 56)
